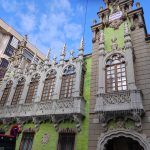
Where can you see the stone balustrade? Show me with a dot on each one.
(52, 107)
(119, 101)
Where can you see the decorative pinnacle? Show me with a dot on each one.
(48, 54)
(71, 54)
(54, 59)
(81, 44)
(94, 22)
(26, 37)
(63, 52)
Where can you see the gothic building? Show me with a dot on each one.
(120, 79)
(96, 102)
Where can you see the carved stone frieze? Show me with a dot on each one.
(116, 98)
(116, 23)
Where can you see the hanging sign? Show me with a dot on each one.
(115, 16)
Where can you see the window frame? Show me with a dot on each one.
(30, 134)
(49, 86)
(115, 65)
(6, 93)
(68, 82)
(61, 136)
(32, 89)
(18, 92)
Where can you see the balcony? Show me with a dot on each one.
(53, 107)
(119, 101)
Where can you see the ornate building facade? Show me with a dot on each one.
(120, 79)
(96, 102)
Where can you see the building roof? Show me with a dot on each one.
(4, 27)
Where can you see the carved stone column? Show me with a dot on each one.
(101, 81)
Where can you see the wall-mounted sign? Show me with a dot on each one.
(115, 16)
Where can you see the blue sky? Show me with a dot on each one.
(51, 23)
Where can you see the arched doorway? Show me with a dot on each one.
(122, 139)
(123, 143)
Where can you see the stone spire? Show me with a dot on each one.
(81, 49)
(48, 54)
(63, 54)
(127, 37)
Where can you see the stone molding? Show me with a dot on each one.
(104, 138)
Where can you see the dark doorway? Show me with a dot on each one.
(122, 143)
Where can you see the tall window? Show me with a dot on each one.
(6, 93)
(18, 91)
(49, 85)
(66, 141)
(68, 80)
(27, 141)
(32, 90)
(116, 79)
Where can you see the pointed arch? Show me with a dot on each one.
(32, 90)
(49, 84)
(68, 81)
(6, 93)
(140, 138)
(18, 91)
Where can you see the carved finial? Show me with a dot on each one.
(81, 44)
(94, 22)
(63, 52)
(138, 5)
(26, 37)
(114, 44)
(48, 54)
(71, 54)
(101, 8)
(54, 59)
(23, 42)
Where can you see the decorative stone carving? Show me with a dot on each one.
(45, 138)
(55, 122)
(116, 23)
(116, 98)
(77, 120)
(140, 138)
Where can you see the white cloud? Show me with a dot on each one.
(27, 22)
(73, 31)
(9, 5)
(51, 28)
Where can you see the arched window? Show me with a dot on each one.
(32, 90)
(116, 79)
(18, 92)
(49, 85)
(68, 80)
(6, 93)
